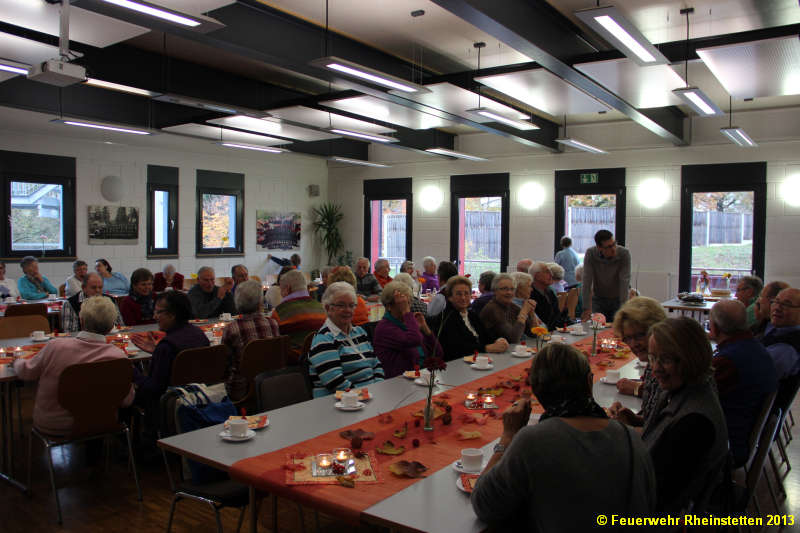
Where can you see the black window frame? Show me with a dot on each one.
(161, 178)
(224, 183)
(474, 186)
(609, 181)
(723, 177)
(39, 168)
(388, 189)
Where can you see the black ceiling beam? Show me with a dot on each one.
(525, 27)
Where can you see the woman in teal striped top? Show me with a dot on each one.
(341, 355)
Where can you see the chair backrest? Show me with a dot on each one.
(307, 344)
(256, 278)
(93, 392)
(27, 309)
(369, 327)
(757, 465)
(280, 388)
(188, 283)
(62, 290)
(572, 301)
(262, 355)
(200, 365)
(22, 326)
(758, 427)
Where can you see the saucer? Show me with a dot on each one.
(461, 470)
(42, 339)
(226, 435)
(603, 380)
(460, 485)
(340, 406)
(577, 333)
(410, 374)
(476, 367)
(419, 381)
(525, 353)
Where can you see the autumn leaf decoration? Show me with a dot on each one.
(350, 433)
(412, 469)
(467, 435)
(401, 433)
(388, 448)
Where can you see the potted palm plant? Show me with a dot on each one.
(326, 226)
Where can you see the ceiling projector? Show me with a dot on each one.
(58, 73)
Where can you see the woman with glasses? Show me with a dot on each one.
(341, 355)
(686, 433)
(502, 317)
(631, 324)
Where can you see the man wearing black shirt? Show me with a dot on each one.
(546, 300)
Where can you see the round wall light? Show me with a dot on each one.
(531, 195)
(653, 193)
(790, 190)
(431, 198)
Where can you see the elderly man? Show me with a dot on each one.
(207, 299)
(743, 371)
(239, 274)
(382, 272)
(167, 278)
(33, 285)
(298, 314)
(74, 283)
(782, 336)
(747, 291)
(546, 300)
(768, 293)
(524, 265)
(606, 276)
(97, 316)
(366, 284)
(71, 310)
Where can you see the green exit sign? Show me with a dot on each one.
(590, 177)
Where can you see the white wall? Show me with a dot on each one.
(651, 234)
(271, 182)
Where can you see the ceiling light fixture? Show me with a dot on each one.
(365, 136)
(97, 126)
(508, 121)
(14, 67)
(619, 31)
(119, 87)
(158, 12)
(251, 147)
(453, 153)
(365, 73)
(693, 96)
(735, 134)
(358, 162)
(575, 143)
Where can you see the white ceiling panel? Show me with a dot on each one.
(761, 68)
(642, 87)
(272, 127)
(371, 107)
(325, 119)
(455, 100)
(545, 91)
(222, 134)
(25, 50)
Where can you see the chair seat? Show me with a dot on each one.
(228, 493)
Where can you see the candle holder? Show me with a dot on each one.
(322, 465)
(488, 401)
(342, 455)
(471, 401)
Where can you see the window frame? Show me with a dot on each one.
(227, 180)
(162, 179)
(723, 177)
(388, 189)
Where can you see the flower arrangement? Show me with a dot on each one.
(433, 363)
(539, 332)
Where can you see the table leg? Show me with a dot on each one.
(8, 437)
(253, 510)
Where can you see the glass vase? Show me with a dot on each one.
(428, 412)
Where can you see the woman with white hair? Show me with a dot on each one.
(522, 287)
(417, 305)
(557, 273)
(408, 268)
(341, 355)
(502, 317)
(429, 273)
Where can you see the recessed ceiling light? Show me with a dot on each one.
(453, 153)
(619, 31)
(153, 11)
(358, 162)
(98, 126)
(497, 117)
(580, 145)
(119, 87)
(365, 73)
(365, 136)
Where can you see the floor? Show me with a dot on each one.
(95, 500)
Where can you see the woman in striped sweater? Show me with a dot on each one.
(341, 355)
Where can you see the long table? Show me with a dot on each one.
(431, 504)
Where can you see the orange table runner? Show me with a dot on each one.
(436, 449)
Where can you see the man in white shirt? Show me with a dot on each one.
(75, 281)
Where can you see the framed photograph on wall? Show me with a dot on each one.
(278, 231)
(111, 224)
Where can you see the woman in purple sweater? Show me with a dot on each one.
(402, 339)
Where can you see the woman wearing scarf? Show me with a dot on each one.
(538, 472)
(402, 339)
(137, 307)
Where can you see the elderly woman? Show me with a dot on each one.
(445, 271)
(631, 324)
(343, 273)
(522, 287)
(458, 328)
(33, 285)
(137, 308)
(113, 282)
(402, 338)
(417, 305)
(686, 434)
(324, 273)
(429, 274)
(539, 473)
(381, 272)
(503, 318)
(251, 325)
(408, 268)
(98, 315)
(168, 278)
(485, 287)
(273, 296)
(8, 286)
(341, 355)
(557, 274)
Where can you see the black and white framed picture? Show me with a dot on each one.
(111, 224)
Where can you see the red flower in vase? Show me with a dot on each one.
(435, 363)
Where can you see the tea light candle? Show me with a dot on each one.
(488, 400)
(324, 460)
(341, 454)
(18, 349)
(471, 396)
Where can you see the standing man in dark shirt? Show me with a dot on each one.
(546, 300)
(366, 284)
(606, 276)
(207, 299)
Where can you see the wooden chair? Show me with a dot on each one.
(22, 326)
(92, 393)
(747, 494)
(258, 356)
(27, 309)
(200, 365)
(62, 290)
(562, 300)
(188, 283)
(572, 302)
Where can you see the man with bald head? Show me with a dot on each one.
(207, 299)
(744, 373)
(524, 264)
(782, 336)
(762, 305)
(92, 285)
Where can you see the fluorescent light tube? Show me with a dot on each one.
(359, 162)
(366, 136)
(620, 32)
(119, 87)
(155, 12)
(369, 74)
(580, 145)
(101, 126)
(625, 38)
(738, 136)
(453, 153)
(14, 67)
(698, 101)
(251, 147)
(497, 117)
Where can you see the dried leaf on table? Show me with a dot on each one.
(466, 435)
(401, 433)
(346, 482)
(516, 377)
(388, 448)
(350, 433)
(494, 391)
(411, 469)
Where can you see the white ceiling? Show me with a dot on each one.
(223, 134)
(455, 100)
(271, 126)
(385, 111)
(642, 87)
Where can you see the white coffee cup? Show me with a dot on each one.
(520, 350)
(472, 459)
(612, 376)
(482, 361)
(350, 399)
(238, 427)
(425, 375)
(38, 334)
(225, 316)
(52, 296)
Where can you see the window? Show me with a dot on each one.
(162, 209)
(38, 200)
(220, 213)
(387, 226)
(586, 202)
(722, 224)
(479, 222)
